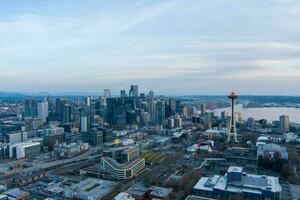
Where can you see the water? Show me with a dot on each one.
(270, 114)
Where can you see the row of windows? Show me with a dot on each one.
(124, 173)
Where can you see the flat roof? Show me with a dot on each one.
(160, 191)
(235, 169)
(138, 190)
(201, 185)
(192, 197)
(249, 183)
(96, 188)
(16, 192)
(122, 165)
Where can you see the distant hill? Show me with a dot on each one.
(11, 95)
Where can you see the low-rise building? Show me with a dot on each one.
(89, 189)
(17, 194)
(124, 196)
(290, 137)
(238, 184)
(122, 154)
(3, 197)
(160, 192)
(138, 191)
(122, 170)
(241, 155)
(70, 150)
(271, 150)
(24, 149)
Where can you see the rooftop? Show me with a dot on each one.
(235, 169)
(137, 190)
(192, 197)
(160, 191)
(92, 187)
(127, 165)
(16, 192)
(249, 183)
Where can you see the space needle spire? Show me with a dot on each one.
(232, 135)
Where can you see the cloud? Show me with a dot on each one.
(70, 45)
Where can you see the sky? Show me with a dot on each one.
(174, 47)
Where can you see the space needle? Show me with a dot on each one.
(232, 135)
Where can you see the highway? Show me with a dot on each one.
(58, 163)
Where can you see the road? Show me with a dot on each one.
(58, 163)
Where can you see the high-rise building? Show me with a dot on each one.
(116, 113)
(142, 96)
(87, 101)
(178, 122)
(203, 109)
(67, 113)
(131, 117)
(43, 111)
(284, 123)
(123, 93)
(30, 108)
(100, 109)
(83, 124)
(160, 113)
(107, 93)
(60, 108)
(232, 135)
(251, 122)
(171, 122)
(134, 90)
(151, 96)
(223, 116)
(145, 118)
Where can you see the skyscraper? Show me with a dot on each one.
(107, 93)
(67, 113)
(284, 123)
(83, 124)
(123, 93)
(30, 108)
(151, 95)
(87, 101)
(116, 113)
(232, 135)
(100, 109)
(134, 90)
(43, 111)
(203, 109)
(60, 108)
(160, 113)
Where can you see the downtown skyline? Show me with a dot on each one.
(173, 47)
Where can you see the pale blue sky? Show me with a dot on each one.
(171, 46)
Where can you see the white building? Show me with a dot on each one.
(43, 111)
(237, 182)
(24, 149)
(16, 137)
(124, 196)
(89, 189)
(83, 124)
(271, 150)
(70, 150)
(290, 137)
(54, 130)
